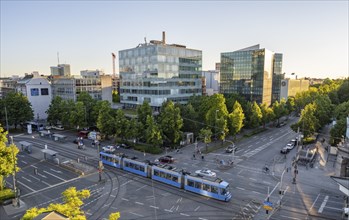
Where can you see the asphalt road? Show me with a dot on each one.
(314, 196)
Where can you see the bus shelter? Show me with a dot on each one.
(59, 137)
(26, 146)
(49, 154)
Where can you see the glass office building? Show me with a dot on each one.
(250, 72)
(157, 72)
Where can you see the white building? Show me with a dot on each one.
(212, 81)
(38, 91)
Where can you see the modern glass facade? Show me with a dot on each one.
(157, 72)
(249, 72)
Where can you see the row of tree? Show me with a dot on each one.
(322, 104)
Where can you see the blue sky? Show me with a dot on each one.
(312, 35)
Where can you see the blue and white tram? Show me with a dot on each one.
(137, 167)
(211, 187)
(167, 174)
(111, 159)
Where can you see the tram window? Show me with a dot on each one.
(168, 176)
(141, 168)
(214, 189)
(156, 173)
(126, 164)
(198, 185)
(162, 174)
(206, 187)
(136, 167)
(190, 183)
(223, 191)
(175, 178)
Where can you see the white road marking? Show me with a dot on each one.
(323, 204)
(24, 162)
(196, 208)
(25, 186)
(256, 192)
(240, 172)
(139, 203)
(112, 196)
(126, 182)
(166, 210)
(265, 182)
(137, 214)
(34, 177)
(202, 218)
(26, 179)
(184, 214)
(33, 166)
(114, 208)
(289, 217)
(240, 188)
(42, 175)
(252, 179)
(314, 201)
(45, 183)
(327, 207)
(57, 171)
(249, 146)
(155, 207)
(54, 176)
(141, 188)
(125, 199)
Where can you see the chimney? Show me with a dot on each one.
(163, 38)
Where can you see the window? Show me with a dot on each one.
(44, 91)
(198, 185)
(34, 92)
(190, 183)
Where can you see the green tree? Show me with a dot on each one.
(152, 132)
(67, 109)
(54, 111)
(171, 122)
(256, 115)
(338, 131)
(96, 110)
(88, 103)
(143, 111)
(18, 107)
(279, 109)
(267, 114)
(217, 115)
(133, 131)
(205, 134)
(236, 119)
(114, 216)
(78, 115)
(290, 105)
(343, 91)
(323, 110)
(190, 118)
(71, 206)
(307, 123)
(115, 96)
(341, 110)
(8, 158)
(121, 124)
(105, 120)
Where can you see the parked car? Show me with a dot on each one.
(205, 172)
(124, 146)
(230, 149)
(281, 124)
(165, 159)
(108, 149)
(287, 148)
(48, 127)
(58, 127)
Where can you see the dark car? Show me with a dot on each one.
(124, 146)
(166, 159)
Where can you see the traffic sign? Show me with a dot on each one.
(268, 205)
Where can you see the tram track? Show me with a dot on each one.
(232, 209)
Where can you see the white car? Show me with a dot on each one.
(108, 148)
(206, 172)
(58, 127)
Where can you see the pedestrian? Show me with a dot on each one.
(202, 157)
(194, 156)
(36, 171)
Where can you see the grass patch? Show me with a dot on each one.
(6, 194)
(256, 131)
(148, 149)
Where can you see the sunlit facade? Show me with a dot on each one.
(250, 73)
(156, 72)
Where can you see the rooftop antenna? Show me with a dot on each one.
(58, 57)
(145, 40)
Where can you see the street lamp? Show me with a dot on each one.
(15, 201)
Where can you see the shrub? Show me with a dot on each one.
(6, 194)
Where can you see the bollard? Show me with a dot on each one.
(35, 171)
(78, 160)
